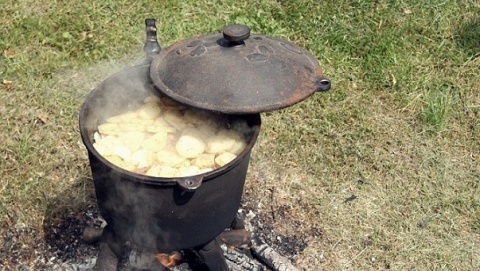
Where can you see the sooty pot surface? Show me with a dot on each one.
(160, 214)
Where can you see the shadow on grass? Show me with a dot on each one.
(468, 37)
(66, 217)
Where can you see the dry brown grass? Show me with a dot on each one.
(417, 191)
(399, 130)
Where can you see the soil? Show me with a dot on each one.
(60, 245)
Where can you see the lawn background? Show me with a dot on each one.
(399, 130)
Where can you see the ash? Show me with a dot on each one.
(62, 247)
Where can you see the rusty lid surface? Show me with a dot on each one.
(237, 73)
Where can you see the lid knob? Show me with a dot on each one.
(236, 33)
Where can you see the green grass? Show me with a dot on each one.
(400, 128)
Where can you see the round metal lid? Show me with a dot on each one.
(237, 73)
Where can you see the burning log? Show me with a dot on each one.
(235, 238)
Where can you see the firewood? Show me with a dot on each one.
(269, 256)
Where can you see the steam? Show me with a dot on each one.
(126, 203)
(81, 83)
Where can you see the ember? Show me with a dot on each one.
(169, 260)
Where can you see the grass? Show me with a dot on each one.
(400, 128)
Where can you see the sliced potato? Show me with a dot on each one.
(231, 133)
(146, 122)
(151, 99)
(115, 119)
(131, 127)
(160, 121)
(125, 117)
(190, 143)
(122, 151)
(205, 170)
(141, 159)
(169, 158)
(154, 171)
(159, 125)
(119, 162)
(116, 160)
(155, 142)
(224, 158)
(185, 164)
(96, 137)
(102, 149)
(149, 111)
(163, 171)
(172, 139)
(189, 171)
(108, 128)
(180, 142)
(175, 119)
(155, 129)
(132, 139)
(208, 129)
(205, 160)
(106, 145)
(238, 147)
(129, 116)
(223, 141)
(141, 170)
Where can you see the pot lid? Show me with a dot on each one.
(237, 73)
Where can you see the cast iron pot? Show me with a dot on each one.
(160, 214)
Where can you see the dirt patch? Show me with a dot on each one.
(64, 237)
(279, 234)
(61, 242)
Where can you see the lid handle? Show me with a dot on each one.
(236, 33)
(322, 84)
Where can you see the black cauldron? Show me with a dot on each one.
(159, 214)
(237, 75)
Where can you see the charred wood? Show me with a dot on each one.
(270, 257)
(240, 260)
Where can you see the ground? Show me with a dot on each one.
(381, 172)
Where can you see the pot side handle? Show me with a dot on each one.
(190, 183)
(322, 84)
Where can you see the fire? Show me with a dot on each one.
(169, 260)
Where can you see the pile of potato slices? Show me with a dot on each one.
(165, 139)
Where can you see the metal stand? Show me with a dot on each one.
(208, 258)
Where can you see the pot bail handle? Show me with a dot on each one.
(151, 47)
(190, 183)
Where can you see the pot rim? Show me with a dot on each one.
(256, 120)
